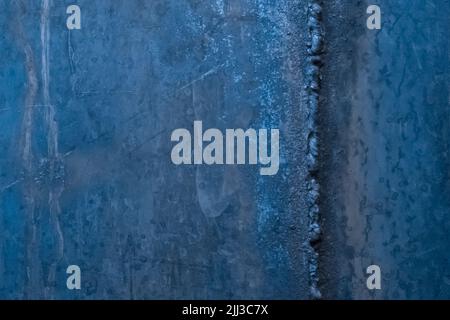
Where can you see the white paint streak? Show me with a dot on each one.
(52, 142)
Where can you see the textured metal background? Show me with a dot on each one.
(94, 185)
(384, 136)
(85, 170)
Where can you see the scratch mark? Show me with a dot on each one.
(10, 185)
(203, 76)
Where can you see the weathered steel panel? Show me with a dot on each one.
(86, 174)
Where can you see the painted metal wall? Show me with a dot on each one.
(86, 176)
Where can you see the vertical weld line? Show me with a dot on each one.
(315, 50)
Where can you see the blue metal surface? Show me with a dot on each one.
(86, 176)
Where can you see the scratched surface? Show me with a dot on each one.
(85, 170)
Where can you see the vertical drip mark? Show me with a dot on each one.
(56, 167)
(26, 158)
(30, 190)
(27, 123)
(313, 79)
(45, 34)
